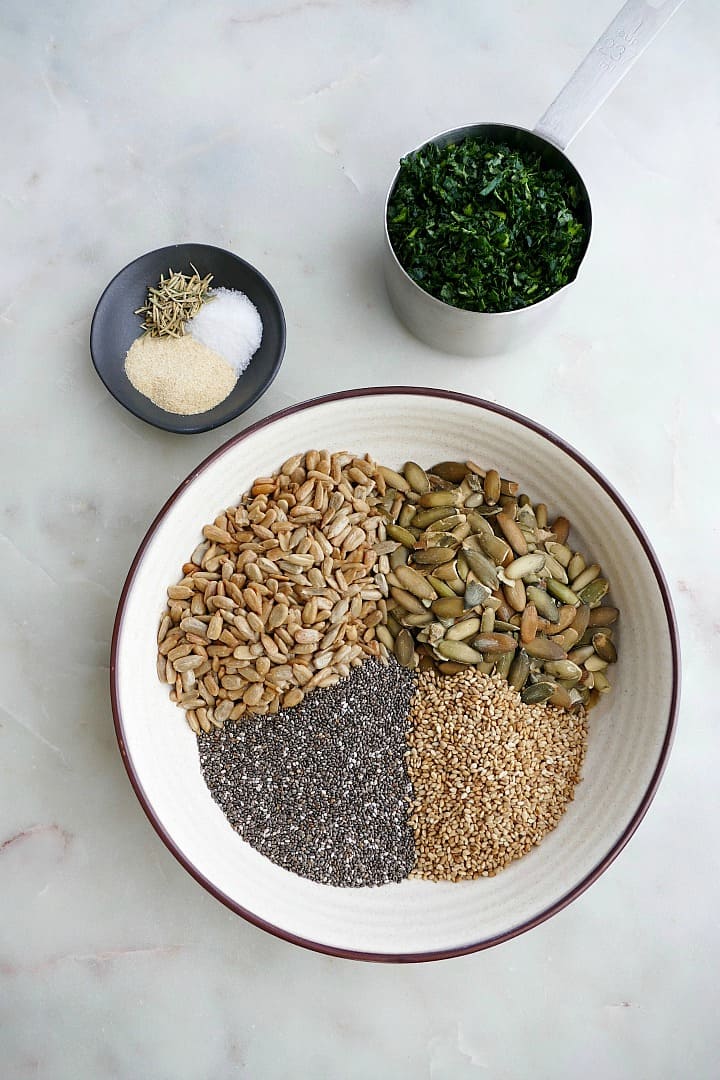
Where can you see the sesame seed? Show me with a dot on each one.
(491, 775)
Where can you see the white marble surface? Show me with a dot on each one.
(272, 128)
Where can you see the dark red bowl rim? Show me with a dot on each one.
(577, 890)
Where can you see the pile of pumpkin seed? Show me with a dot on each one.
(479, 577)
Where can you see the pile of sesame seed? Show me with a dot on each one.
(491, 775)
(322, 788)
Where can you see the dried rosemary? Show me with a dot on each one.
(173, 301)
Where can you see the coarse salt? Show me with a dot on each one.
(229, 325)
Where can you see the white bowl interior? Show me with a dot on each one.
(627, 730)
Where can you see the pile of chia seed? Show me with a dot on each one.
(322, 788)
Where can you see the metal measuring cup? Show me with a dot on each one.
(473, 333)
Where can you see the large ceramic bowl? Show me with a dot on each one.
(630, 731)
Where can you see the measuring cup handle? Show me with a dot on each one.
(609, 60)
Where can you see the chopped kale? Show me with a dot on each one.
(483, 226)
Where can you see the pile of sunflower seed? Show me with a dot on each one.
(479, 577)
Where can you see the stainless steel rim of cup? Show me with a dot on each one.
(476, 333)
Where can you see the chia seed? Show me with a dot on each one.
(322, 789)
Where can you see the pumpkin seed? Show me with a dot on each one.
(393, 479)
(536, 693)
(434, 556)
(463, 630)
(563, 669)
(601, 683)
(515, 595)
(525, 564)
(439, 498)
(487, 622)
(407, 600)
(415, 583)
(410, 619)
(582, 616)
(495, 643)
(447, 523)
(482, 567)
(479, 524)
(441, 587)
(459, 652)
(587, 637)
(560, 697)
(561, 552)
(452, 471)
(424, 518)
(581, 654)
(566, 618)
(576, 565)
(403, 536)
(492, 486)
(519, 670)
(603, 616)
(588, 574)
(562, 592)
(496, 548)
(504, 663)
(545, 605)
(512, 533)
(567, 639)
(555, 569)
(604, 648)
(416, 477)
(448, 607)
(450, 667)
(529, 623)
(560, 529)
(543, 648)
(593, 593)
(404, 648)
(476, 593)
(595, 663)
(406, 515)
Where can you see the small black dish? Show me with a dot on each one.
(115, 326)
